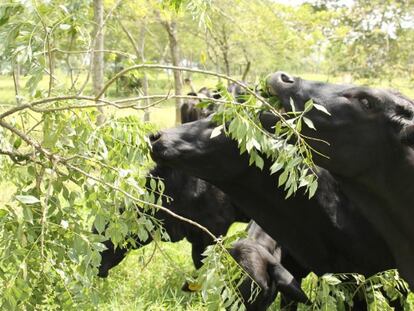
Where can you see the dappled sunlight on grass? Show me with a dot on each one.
(148, 280)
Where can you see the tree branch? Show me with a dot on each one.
(16, 157)
(130, 37)
(119, 104)
(48, 100)
(30, 141)
(57, 159)
(135, 199)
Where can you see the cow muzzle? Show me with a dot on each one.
(278, 82)
(154, 137)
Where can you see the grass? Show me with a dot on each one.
(147, 281)
(133, 285)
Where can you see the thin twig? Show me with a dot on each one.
(132, 106)
(57, 159)
(16, 157)
(103, 102)
(170, 260)
(43, 221)
(16, 85)
(104, 51)
(34, 126)
(206, 72)
(30, 141)
(48, 100)
(150, 259)
(128, 195)
(129, 36)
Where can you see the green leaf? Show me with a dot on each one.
(3, 213)
(331, 279)
(276, 167)
(27, 199)
(100, 223)
(99, 247)
(292, 104)
(17, 143)
(153, 184)
(312, 188)
(28, 215)
(289, 193)
(216, 131)
(283, 177)
(309, 123)
(259, 162)
(161, 186)
(321, 108)
(64, 26)
(308, 105)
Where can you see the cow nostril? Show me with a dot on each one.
(286, 78)
(154, 137)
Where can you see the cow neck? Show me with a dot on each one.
(390, 187)
(252, 192)
(400, 184)
(385, 197)
(304, 226)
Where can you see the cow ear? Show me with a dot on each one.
(407, 135)
(268, 121)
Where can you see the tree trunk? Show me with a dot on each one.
(221, 41)
(141, 48)
(171, 28)
(140, 52)
(67, 60)
(98, 55)
(225, 51)
(246, 71)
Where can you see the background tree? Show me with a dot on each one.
(370, 39)
(98, 53)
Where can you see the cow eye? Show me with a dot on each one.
(366, 103)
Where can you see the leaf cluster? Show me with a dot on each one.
(48, 253)
(283, 151)
(343, 291)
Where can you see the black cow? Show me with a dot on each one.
(189, 110)
(237, 91)
(260, 256)
(325, 234)
(371, 153)
(192, 198)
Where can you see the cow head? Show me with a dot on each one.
(365, 125)
(191, 148)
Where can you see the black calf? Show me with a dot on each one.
(260, 256)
